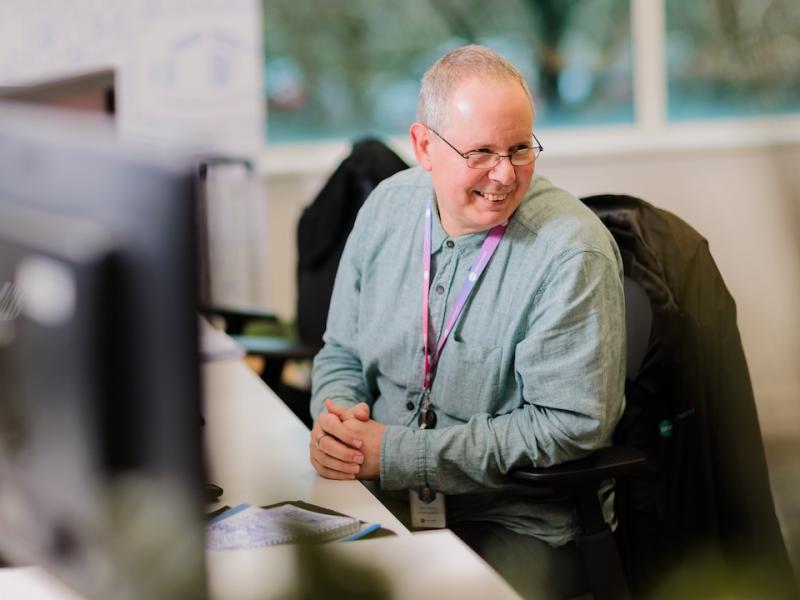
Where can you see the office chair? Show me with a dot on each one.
(578, 482)
(321, 235)
(687, 458)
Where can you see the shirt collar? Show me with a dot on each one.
(439, 235)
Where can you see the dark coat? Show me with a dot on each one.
(325, 225)
(690, 408)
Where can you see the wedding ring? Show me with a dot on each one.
(319, 439)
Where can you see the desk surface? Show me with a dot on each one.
(434, 564)
(257, 450)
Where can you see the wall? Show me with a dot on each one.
(744, 198)
(186, 70)
(188, 74)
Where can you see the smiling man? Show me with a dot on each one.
(476, 326)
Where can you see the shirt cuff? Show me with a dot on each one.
(404, 458)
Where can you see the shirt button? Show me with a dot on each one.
(439, 289)
(410, 405)
(450, 243)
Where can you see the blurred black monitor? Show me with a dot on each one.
(100, 438)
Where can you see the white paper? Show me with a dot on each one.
(253, 527)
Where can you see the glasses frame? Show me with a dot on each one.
(498, 157)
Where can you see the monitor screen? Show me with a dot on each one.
(100, 438)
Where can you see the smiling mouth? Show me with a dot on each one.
(493, 197)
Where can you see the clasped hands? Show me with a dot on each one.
(346, 443)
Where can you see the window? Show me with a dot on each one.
(732, 58)
(343, 69)
(338, 70)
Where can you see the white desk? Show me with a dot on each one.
(257, 450)
(33, 583)
(434, 564)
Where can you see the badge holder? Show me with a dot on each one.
(427, 509)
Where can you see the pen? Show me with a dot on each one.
(360, 534)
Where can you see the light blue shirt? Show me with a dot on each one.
(531, 375)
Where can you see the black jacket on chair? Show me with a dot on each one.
(325, 225)
(691, 409)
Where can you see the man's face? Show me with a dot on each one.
(482, 115)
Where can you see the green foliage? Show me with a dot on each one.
(733, 56)
(348, 68)
(326, 574)
(706, 575)
(338, 68)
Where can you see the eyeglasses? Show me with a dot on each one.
(480, 159)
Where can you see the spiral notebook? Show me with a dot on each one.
(247, 526)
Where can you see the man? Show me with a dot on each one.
(518, 288)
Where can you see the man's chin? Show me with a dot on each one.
(488, 219)
(496, 212)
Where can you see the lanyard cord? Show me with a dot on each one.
(484, 255)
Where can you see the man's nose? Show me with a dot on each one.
(503, 172)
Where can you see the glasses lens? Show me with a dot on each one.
(524, 157)
(482, 160)
(489, 160)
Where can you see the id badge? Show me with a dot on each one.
(427, 515)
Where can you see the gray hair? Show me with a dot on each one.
(460, 64)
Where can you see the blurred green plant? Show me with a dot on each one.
(706, 575)
(323, 573)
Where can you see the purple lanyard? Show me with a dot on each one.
(484, 255)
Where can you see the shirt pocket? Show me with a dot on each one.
(467, 380)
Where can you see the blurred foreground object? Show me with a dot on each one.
(100, 446)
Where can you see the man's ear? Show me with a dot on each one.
(420, 142)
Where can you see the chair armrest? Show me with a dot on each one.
(604, 463)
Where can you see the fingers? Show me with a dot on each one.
(332, 425)
(328, 460)
(324, 450)
(359, 411)
(329, 473)
(335, 449)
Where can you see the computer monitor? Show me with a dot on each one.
(100, 430)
